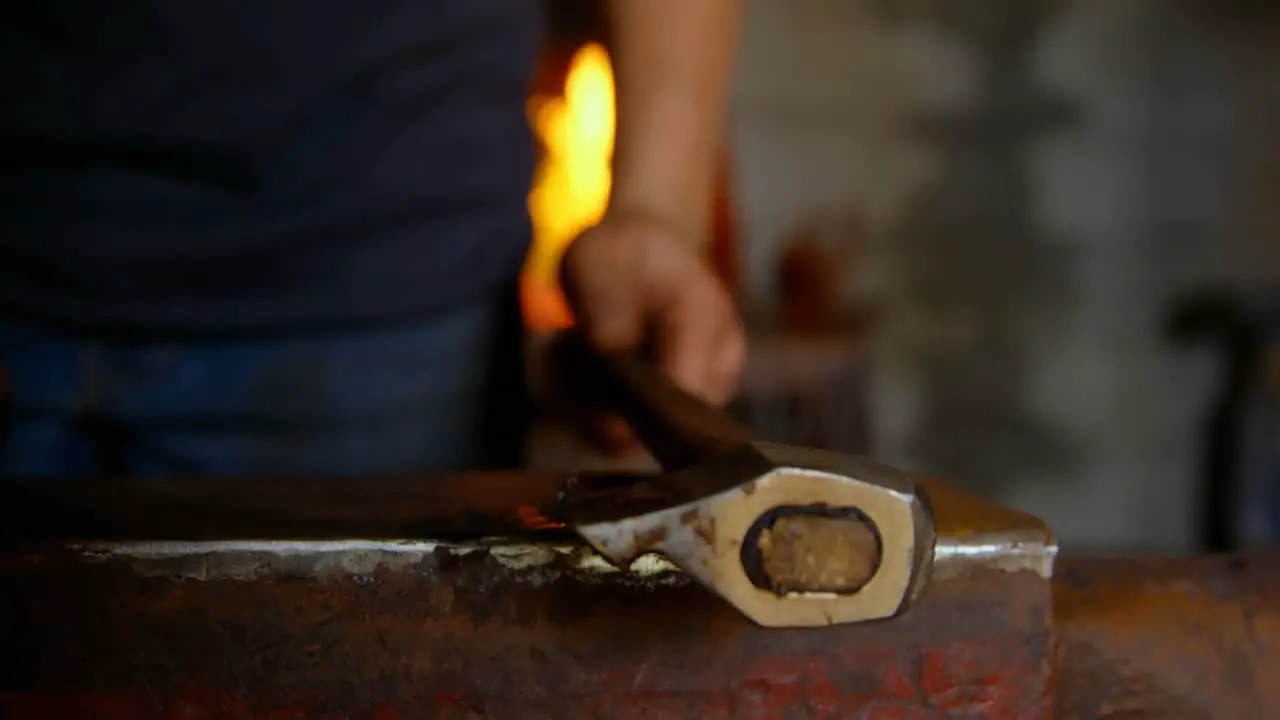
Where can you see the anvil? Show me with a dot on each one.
(748, 580)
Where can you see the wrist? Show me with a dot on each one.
(685, 212)
(672, 222)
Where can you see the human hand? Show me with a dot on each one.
(635, 284)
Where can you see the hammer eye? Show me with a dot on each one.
(812, 549)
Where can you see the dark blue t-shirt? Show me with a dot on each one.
(243, 165)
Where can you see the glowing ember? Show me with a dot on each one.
(571, 187)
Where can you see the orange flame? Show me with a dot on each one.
(571, 186)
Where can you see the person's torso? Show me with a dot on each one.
(254, 164)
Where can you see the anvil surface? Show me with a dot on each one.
(266, 611)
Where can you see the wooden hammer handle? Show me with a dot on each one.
(679, 429)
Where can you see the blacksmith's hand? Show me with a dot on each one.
(635, 284)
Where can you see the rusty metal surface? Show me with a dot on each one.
(1176, 639)
(427, 630)
(713, 538)
(364, 629)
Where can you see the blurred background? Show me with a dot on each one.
(1024, 244)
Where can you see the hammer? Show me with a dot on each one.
(792, 537)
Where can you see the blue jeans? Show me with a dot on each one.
(443, 393)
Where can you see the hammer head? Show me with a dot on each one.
(792, 537)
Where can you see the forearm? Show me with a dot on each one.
(673, 62)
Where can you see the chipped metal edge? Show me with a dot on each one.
(1002, 553)
(250, 559)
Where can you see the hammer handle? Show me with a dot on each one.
(679, 429)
